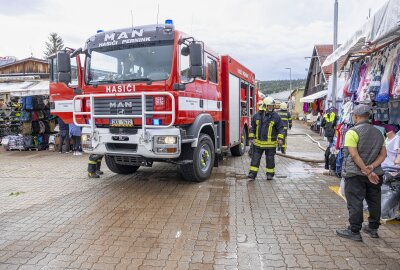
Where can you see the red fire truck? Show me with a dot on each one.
(154, 94)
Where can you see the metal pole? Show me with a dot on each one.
(335, 46)
(290, 78)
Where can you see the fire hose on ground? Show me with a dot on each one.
(305, 159)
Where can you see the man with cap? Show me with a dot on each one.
(364, 151)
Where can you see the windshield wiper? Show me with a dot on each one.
(147, 80)
(103, 81)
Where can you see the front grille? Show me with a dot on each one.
(123, 131)
(130, 160)
(121, 147)
(127, 106)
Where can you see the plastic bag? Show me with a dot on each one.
(390, 202)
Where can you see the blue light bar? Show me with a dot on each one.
(169, 21)
(100, 31)
(156, 122)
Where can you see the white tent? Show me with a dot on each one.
(383, 27)
(313, 97)
(27, 88)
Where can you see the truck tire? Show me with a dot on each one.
(118, 168)
(240, 149)
(203, 160)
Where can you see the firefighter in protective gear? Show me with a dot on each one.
(266, 132)
(287, 123)
(94, 166)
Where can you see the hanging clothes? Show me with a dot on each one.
(362, 94)
(384, 92)
(394, 112)
(355, 78)
(381, 112)
(396, 71)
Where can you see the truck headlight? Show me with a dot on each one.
(167, 140)
(86, 142)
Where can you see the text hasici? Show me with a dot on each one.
(126, 37)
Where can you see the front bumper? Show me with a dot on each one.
(104, 142)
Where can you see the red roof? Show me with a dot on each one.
(323, 51)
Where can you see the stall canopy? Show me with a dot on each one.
(314, 97)
(28, 88)
(380, 29)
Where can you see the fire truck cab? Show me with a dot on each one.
(154, 94)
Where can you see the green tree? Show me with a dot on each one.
(54, 44)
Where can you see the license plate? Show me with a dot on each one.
(121, 122)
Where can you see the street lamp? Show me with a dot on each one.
(335, 46)
(290, 74)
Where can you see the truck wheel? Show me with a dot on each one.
(240, 149)
(118, 168)
(203, 160)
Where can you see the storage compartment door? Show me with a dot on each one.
(234, 109)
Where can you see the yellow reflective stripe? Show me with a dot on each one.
(253, 169)
(257, 124)
(281, 136)
(251, 135)
(270, 170)
(265, 144)
(284, 119)
(271, 124)
(285, 128)
(92, 162)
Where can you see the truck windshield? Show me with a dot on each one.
(149, 63)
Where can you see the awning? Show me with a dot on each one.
(313, 97)
(383, 27)
(29, 88)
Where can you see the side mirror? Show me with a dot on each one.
(196, 60)
(64, 77)
(63, 67)
(63, 62)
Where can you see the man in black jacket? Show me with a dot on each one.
(64, 135)
(267, 131)
(287, 123)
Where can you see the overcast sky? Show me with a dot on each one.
(265, 35)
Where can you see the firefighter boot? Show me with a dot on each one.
(252, 175)
(270, 176)
(93, 175)
(98, 166)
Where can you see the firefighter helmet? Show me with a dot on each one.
(283, 106)
(269, 101)
(261, 105)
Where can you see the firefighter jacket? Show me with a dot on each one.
(286, 118)
(266, 128)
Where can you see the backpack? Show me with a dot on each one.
(25, 116)
(339, 162)
(28, 103)
(42, 127)
(26, 128)
(28, 141)
(40, 115)
(35, 116)
(35, 127)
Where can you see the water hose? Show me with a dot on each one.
(305, 159)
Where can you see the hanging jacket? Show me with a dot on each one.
(286, 118)
(266, 129)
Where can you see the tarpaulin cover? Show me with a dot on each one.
(383, 27)
(313, 97)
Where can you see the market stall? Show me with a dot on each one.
(372, 76)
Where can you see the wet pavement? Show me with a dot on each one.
(53, 217)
